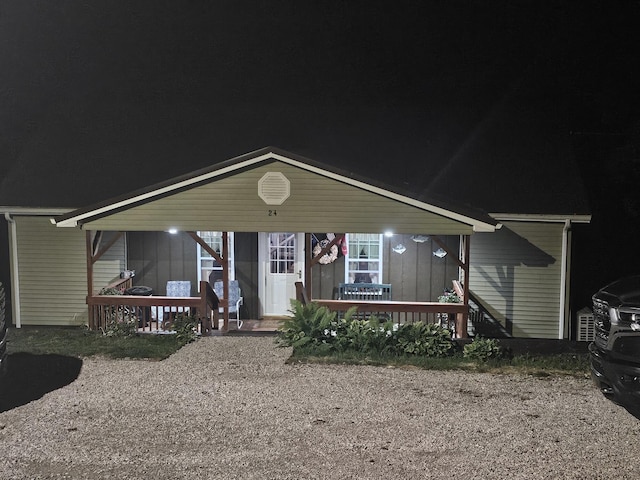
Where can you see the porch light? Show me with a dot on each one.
(173, 231)
(388, 233)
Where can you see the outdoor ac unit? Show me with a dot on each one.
(586, 325)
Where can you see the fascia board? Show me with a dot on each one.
(478, 226)
(34, 211)
(544, 218)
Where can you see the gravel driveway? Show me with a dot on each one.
(229, 407)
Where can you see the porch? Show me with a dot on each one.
(453, 316)
(154, 313)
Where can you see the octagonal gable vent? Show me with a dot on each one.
(274, 188)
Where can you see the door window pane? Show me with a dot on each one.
(282, 252)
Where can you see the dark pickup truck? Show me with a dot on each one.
(615, 351)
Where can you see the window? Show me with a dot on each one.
(282, 252)
(364, 258)
(206, 263)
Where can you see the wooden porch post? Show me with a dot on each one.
(463, 317)
(94, 252)
(308, 256)
(225, 278)
(89, 277)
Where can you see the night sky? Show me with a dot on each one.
(134, 92)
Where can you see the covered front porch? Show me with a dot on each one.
(154, 313)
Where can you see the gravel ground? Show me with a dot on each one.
(230, 407)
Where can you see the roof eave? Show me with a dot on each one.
(541, 217)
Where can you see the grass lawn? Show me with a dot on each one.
(80, 342)
(539, 365)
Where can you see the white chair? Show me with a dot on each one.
(235, 299)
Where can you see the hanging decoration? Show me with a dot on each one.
(328, 257)
(400, 248)
(440, 253)
(419, 238)
(343, 246)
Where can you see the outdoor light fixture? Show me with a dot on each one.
(173, 231)
(388, 233)
(440, 253)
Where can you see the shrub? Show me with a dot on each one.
(315, 328)
(186, 327)
(484, 349)
(365, 335)
(424, 339)
(449, 297)
(121, 327)
(310, 325)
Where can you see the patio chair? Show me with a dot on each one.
(235, 299)
(175, 288)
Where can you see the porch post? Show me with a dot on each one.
(89, 249)
(462, 318)
(308, 255)
(225, 278)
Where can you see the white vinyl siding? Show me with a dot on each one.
(516, 271)
(53, 272)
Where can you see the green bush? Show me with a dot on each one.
(121, 327)
(424, 339)
(484, 349)
(449, 297)
(318, 330)
(310, 326)
(186, 327)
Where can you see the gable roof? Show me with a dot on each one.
(476, 219)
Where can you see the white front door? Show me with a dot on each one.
(281, 265)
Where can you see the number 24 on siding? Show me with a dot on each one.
(273, 213)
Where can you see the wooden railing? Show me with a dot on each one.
(121, 284)
(454, 314)
(154, 311)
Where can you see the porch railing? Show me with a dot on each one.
(153, 311)
(451, 314)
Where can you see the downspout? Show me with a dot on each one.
(563, 277)
(15, 276)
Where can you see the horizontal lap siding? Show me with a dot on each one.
(316, 203)
(52, 272)
(517, 271)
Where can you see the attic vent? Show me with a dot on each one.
(274, 188)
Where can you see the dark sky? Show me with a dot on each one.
(101, 97)
(140, 84)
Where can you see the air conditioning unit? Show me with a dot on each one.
(586, 325)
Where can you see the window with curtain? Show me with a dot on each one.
(363, 262)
